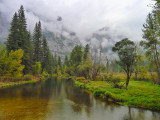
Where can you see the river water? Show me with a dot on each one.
(61, 100)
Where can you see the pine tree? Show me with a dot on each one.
(31, 47)
(24, 41)
(50, 62)
(46, 63)
(23, 33)
(55, 60)
(76, 55)
(28, 55)
(86, 52)
(12, 41)
(19, 38)
(59, 61)
(37, 41)
(66, 61)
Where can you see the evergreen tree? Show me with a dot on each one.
(23, 33)
(31, 47)
(46, 59)
(59, 62)
(24, 41)
(37, 41)
(51, 63)
(12, 41)
(44, 53)
(19, 38)
(66, 61)
(86, 52)
(28, 55)
(55, 60)
(76, 55)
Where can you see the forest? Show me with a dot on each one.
(132, 78)
(26, 56)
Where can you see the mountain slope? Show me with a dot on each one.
(61, 44)
(60, 41)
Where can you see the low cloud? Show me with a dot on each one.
(122, 17)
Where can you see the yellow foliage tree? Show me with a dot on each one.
(10, 65)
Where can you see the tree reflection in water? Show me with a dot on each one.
(61, 100)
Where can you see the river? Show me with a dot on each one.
(61, 100)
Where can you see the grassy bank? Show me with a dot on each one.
(11, 84)
(139, 93)
(6, 82)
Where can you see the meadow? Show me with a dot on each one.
(140, 93)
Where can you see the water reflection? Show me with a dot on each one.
(61, 100)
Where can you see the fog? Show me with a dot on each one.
(84, 17)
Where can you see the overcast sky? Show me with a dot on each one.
(123, 17)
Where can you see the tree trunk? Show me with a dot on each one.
(127, 82)
(136, 75)
(130, 115)
(159, 77)
(157, 63)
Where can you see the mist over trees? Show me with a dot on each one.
(34, 53)
(86, 61)
(131, 78)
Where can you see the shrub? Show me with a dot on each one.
(65, 76)
(114, 81)
(99, 78)
(27, 77)
(99, 92)
(80, 78)
(37, 68)
(10, 79)
(44, 75)
(54, 75)
(79, 84)
(108, 78)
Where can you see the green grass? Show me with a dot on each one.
(79, 84)
(18, 83)
(139, 93)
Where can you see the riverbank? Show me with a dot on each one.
(139, 93)
(6, 84)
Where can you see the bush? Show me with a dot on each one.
(80, 78)
(150, 76)
(108, 78)
(44, 75)
(10, 79)
(99, 78)
(37, 69)
(27, 77)
(99, 92)
(71, 70)
(54, 75)
(79, 84)
(65, 76)
(114, 81)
